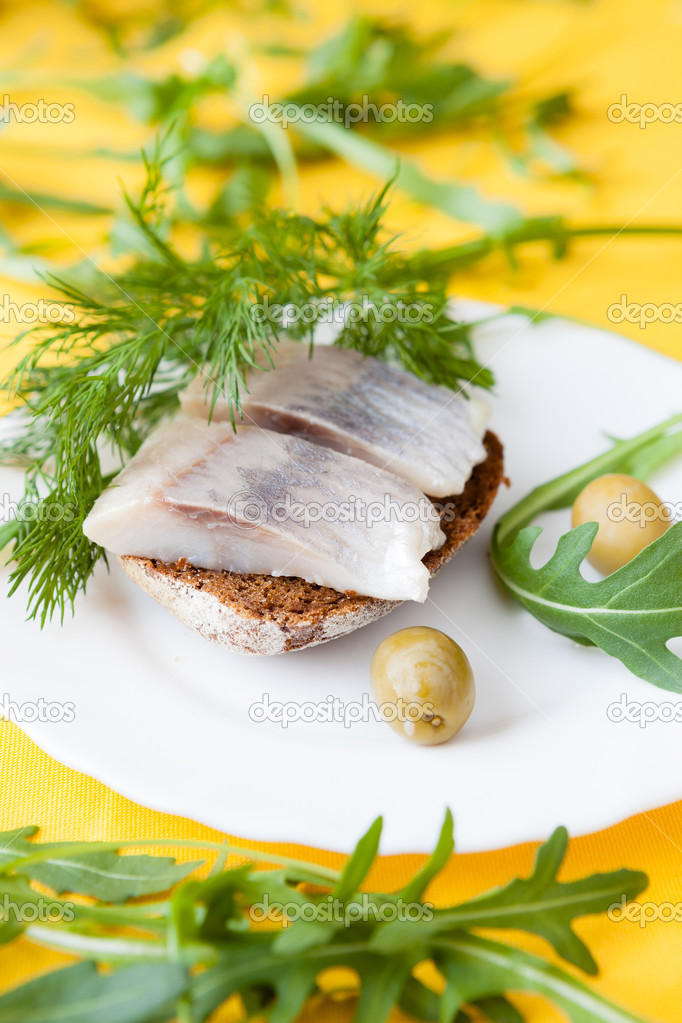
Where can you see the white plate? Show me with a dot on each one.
(162, 716)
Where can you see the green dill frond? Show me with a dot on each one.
(93, 385)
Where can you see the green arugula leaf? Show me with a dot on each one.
(221, 897)
(104, 875)
(542, 905)
(80, 994)
(475, 968)
(358, 866)
(307, 934)
(645, 461)
(16, 893)
(8, 932)
(253, 970)
(421, 1002)
(46, 201)
(367, 56)
(380, 988)
(633, 613)
(538, 904)
(240, 971)
(463, 202)
(498, 1010)
(433, 866)
(304, 935)
(292, 995)
(202, 946)
(21, 904)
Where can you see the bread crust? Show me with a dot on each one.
(267, 615)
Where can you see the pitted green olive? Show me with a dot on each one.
(423, 684)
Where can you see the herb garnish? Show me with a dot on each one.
(105, 377)
(368, 56)
(181, 955)
(633, 613)
(98, 383)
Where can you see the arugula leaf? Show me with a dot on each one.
(200, 947)
(306, 934)
(498, 1010)
(218, 895)
(367, 56)
(19, 891)
(104, 875)
(80, 994)
(17, 895)
(129, 30)
(8, 932)
(475, 968)
(357, 868)
(422, 1002)
(46, 201)
(380, 988)
(292, 997)
(463, 202)
(633, 613)
(542, 905)
(252, 967)
(538, 904)
(433, 866)
(645, 461)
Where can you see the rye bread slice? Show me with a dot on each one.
(265, 615)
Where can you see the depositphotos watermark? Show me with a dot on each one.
(42, 911)
(334, 910)
(644, 313)
(44, 711)
(644, 913)
(644, 114)
(248, 510)
(329, 310)
(333, 710)
(641, 513)
(340, 112)
(35, 511)
(41, 311)
(643, 714)
(39, 112)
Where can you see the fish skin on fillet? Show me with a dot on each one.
(270, 504)
(361, 406)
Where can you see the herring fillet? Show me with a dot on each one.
(269, 504)
(363, 407)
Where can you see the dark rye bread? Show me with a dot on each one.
(263, 614)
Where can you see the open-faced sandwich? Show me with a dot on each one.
(311, 517)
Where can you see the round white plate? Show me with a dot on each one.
(167, 719)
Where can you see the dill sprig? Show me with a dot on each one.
(92, 386)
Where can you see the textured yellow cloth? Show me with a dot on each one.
(605, 50)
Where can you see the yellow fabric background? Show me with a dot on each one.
(604, 49)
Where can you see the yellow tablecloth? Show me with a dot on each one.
(606, 49)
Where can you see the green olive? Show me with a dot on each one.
(630, 517)
(423, 684)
